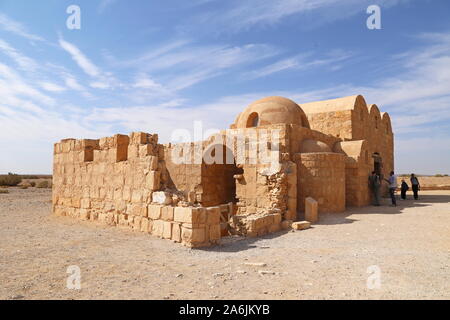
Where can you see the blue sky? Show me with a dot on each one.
(156, 66)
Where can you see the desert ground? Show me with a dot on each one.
(410, 244)
(429, 182)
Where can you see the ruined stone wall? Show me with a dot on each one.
(118, 181)
(321, 176)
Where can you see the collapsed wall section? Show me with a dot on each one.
(119, 181)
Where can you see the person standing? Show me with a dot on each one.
(404, 187)
(415, 184)
(375, 184)
(392, 187)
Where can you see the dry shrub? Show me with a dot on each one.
(44, 184)
(3, 190)
(10, 180)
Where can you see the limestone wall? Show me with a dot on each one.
(117, 181)
(321, 176)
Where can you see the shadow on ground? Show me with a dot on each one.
(236, 243)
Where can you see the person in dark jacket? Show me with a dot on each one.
(404, 188)
(415, 184)
(375, 184)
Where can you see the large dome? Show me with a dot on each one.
(271, 110)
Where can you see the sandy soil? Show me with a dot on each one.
(410, 244)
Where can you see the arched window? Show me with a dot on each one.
(253, 120)
(376, 122)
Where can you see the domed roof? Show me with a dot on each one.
(309, 146)
(271, 110)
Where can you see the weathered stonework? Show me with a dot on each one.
(326, 151)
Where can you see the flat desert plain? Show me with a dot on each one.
(406, 247)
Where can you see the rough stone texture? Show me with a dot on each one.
(311, 210)
(325, 150)
(301, 225)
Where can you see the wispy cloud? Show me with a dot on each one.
(52, 87)
(20, 59)
(236, 15)
(83, 62)
(299, 62)
(10, 25)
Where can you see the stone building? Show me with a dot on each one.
(249, 180)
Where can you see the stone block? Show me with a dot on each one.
(311, 210)
(183, 214)
(176, 232)
(152, 181)
(198, 215)
(194, 235)
(167, 213)
(84, 214)
(144, 224)
(301, 225)
(286, 224)
(85, 203)
(158, 228)
(213, 215)
(214, 232)
(154, 211)
(162, 197)
(167, 230)
(274, 227)
(137, 223)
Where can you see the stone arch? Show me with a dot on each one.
(386, 121)
(252, 120)
(375, 116)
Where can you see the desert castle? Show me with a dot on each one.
(279, 162)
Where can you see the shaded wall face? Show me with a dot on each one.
(298, 134)
(182, 173)
(322, 177)
(357, 192)
(336, 123)
(379, 139)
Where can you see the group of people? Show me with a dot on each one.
(375, 181)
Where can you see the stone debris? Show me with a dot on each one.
(255, 264)
(218, 274)
(264, 272)
(301, 225)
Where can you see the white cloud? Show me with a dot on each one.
(299, 62)
(237, 15)
(83, 62)
(17, 28)
(20, 59)
(52, 87)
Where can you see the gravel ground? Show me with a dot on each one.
(409, 244)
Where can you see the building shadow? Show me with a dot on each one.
(238, 243)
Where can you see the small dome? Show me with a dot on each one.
(312, 146)
(271, 110)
